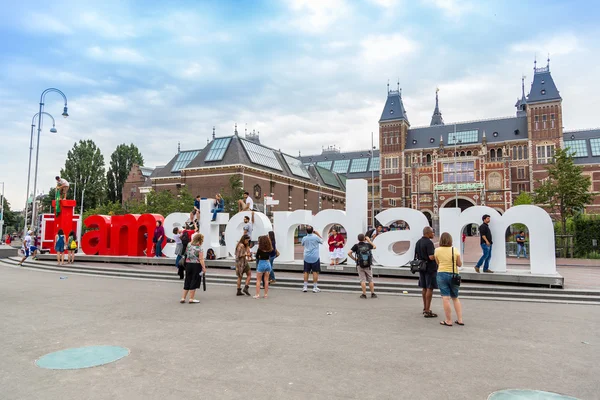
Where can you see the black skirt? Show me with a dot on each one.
(192, 276)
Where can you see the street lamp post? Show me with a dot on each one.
(372, 185)
(2, 213)
(52, 130)
(39, 130)
(456, 142)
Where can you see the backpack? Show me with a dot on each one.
(210, 255)
(364, 257)
(72, 243)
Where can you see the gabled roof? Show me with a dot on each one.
(591, 137)
(393, 109)
(496, 130)
(542, 87)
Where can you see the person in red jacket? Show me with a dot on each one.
(336, 245)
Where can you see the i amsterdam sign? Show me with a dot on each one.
(449, 187)
(131, 234)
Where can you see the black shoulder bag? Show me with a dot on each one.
(455, 276)
(417, 265)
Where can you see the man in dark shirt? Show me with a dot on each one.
(486, 245)
(428, 279)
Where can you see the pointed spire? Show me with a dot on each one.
(207, 141)
(235, 132)
(388, 86)
(178, 147)
(436, 118)
(398, 84)
(534, 62)
(245, 129)
(299, 154)
(484, 139)
(548, 65)
(523, 86)
(214, 132)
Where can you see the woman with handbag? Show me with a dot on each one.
(448, 278)
(194, 265)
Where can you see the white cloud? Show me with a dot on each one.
(105, 27)
(44, 23)
(381, 48)
(386, 3)
(559, 44)
(316, 16)
(116, 54)
(451, 8)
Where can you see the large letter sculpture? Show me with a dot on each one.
(384, 254)
(175, 220)
(538, 222)
(64, 220)
(96, 240)
(211, 229)
(234, 230)
(286, 223)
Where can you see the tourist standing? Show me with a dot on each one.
(448, 260)
(248, 227)
(246, 204)
(361, 253)
(194, 266)
(336, 243)
(521, 244)
(263, 267)
(71, 247)
(177, 232)
(486, 245)
(312, 263)
(62, 186)
(219, 206)
(241, 265)
(59, 246)
(425, 251)
(26, 247)
(274, 254)
(464, 238)
(378, 231)
(159, 236)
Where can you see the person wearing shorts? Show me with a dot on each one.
(27, 244)
(365, 275)
(241, 265)
(63, 186)
(312, 263)
(448, 260)
(424, 250)
(263, 266)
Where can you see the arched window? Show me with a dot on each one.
(499, 154)
(520, 152)
(492, 154)
(514, 155)
(462, 153)
(469, 153)
(525, 152)
(428, 158)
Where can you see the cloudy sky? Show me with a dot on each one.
(305, 73)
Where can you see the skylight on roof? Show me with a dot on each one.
(183, 159)
(374, 164)
(359, 165)
(217, 149)
(261, 155)
(595, 145)
(325, 164)
(328, 178)
(579, 147)
(341, 166)
(296, 166)
(463, 137)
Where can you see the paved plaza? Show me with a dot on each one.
(292, 346)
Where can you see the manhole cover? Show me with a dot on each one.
(82, 357)
(519, 394)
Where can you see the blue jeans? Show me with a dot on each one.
(485, 258)
(177, 259)
(521, 248)
(215, 212)
(272, 274)
(159, 248)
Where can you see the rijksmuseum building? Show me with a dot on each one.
(486, 162)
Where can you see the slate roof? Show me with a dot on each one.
(146, 171)
(394, 108)
(166, 170)
(429, 137)
(542, 87)
(586, 135)
(235, 154)
(350, 155)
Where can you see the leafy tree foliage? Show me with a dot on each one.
(566, 190)
(232, 194)
(84, 169)
(121, 161)
(13, 221)
(524, 198)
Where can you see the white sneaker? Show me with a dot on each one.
(305, 289)
(316, 290)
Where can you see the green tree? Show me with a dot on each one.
(13, 221)
(232, 194)
(524, 198)
(566, 190)
(84, 169)
(121, 161)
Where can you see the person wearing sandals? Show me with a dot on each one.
(71, 247)
(263, 267)
(425, 250)
(59, 246)
(274, 254)
(241, 265)
(194, 265)
(448, 260)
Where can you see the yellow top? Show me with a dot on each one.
(444, 258)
